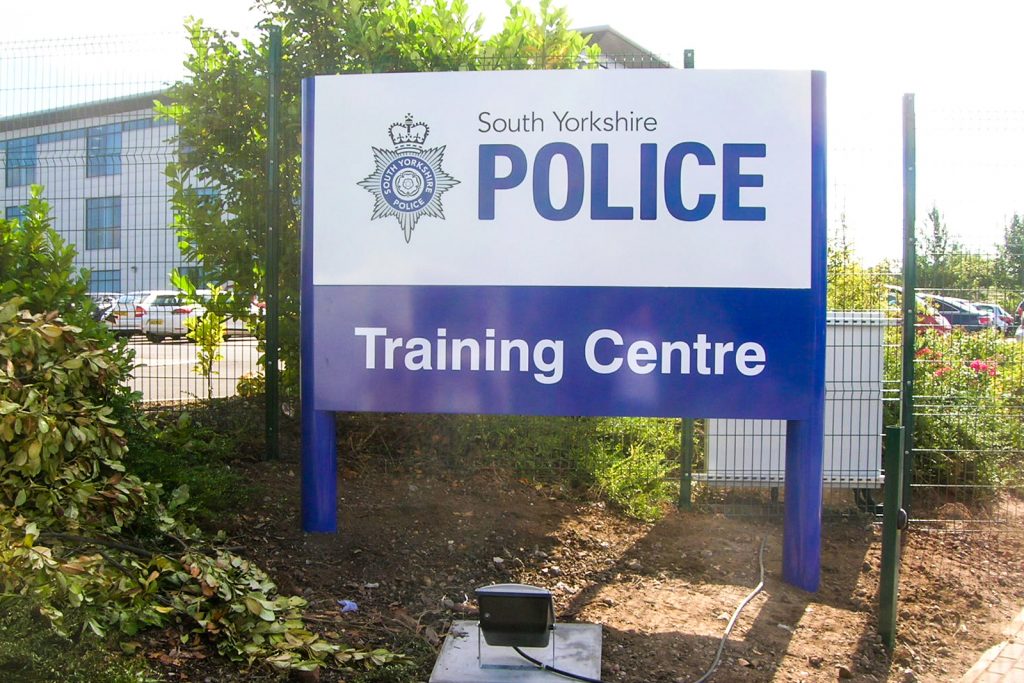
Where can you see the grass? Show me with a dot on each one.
(31, 652)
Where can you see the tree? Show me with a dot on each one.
(851, 286)
(1011, 255)
(944, 264)
(938, 249)
(222, 130)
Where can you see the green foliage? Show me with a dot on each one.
(39, 266)
(529, 40)
(1010, 260)
(967, 385)
(220, 113)
(28, 651)
(851, 286)
(626, 460)
(945, 265)
(251, 385)
(207, 331)
(77, 531)
(175, 451)
(79, 534)
(629, 459)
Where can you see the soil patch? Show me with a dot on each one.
(414, 544)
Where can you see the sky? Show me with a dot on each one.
(962, 62)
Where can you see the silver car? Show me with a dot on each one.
(167, 313)
(127, 314)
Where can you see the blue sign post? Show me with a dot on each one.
(646, 243)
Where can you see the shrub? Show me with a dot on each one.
(967, 393)
(626, 460)
(78, 533)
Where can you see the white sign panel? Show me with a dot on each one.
(626, 178)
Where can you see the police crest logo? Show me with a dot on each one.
(408, 181)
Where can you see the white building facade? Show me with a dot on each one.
(101, 166)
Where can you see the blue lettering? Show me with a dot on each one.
(648, 181)
(599, 209)
(542, 181)
(674, 181)
(733, 181)
(490, 183)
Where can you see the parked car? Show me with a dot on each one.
(960, 312)
(1002, 319)
(103, 304)
(928, 316)
(166, 315)
(125, 318)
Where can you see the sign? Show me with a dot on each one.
(629, 242)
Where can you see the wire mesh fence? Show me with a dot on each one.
(966, 465)
(79, 119)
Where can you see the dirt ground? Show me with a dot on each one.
(414, 545)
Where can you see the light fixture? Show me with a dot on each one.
(516, 615)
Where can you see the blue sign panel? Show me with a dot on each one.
(563, 350)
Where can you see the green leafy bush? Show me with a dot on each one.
(32, 653)
(626, 460)
(174, 450)
(37, 265)
(968, 389)
(81, 535)
(630, 460)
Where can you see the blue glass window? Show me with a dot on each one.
(105, 281)
(195, 274)
(103, 155)
(103, 223)
(21, 162)
(16, 213)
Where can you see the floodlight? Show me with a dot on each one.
(516, 615)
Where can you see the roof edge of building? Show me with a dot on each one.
(116, 105)
(600, 32)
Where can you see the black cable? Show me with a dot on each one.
(735, 615)
(545, 667)
(721, 645)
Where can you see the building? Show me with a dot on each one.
(619, 52)
(101, 165)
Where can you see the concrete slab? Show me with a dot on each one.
(577, 649)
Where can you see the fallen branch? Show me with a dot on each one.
(75, 538)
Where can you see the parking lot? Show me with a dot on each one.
(165, 371)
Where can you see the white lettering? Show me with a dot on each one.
(592, 362)
(371, 333)
(750, 359)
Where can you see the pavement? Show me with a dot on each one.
(1002, 663)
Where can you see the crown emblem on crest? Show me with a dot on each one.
(408, 135)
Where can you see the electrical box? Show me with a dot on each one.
(753, 452)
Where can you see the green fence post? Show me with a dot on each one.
(273, 239)
(909, 293)
(686, 440)
(893, 520)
